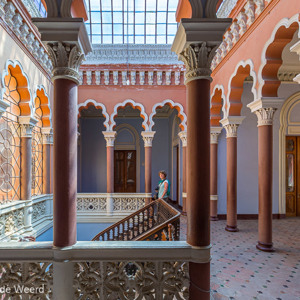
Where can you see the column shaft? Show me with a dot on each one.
(110, 169)
(46, 169)
(198, 162)
(26, 168)
(148, 171)
(213, 181)
(265, 167)
(184, 175)
(231, 184)
(65, 162)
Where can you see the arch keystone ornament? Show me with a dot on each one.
(264, 110)
(195, 44)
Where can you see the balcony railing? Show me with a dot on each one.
(156, 221)
(98, 270)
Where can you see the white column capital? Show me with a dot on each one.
(47, 136)
(148, 138)
(183, 136)
(231, 125)
(265, 116)
(214, 134)
(110, 137)
(26, 126)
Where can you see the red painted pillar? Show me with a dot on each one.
(65, 162)
(198, 179)
(183, 137)
(215, 131)
(231, 125)
(265, 178)
(47, 142)
(148, 138)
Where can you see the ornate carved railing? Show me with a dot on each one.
(156, 221)
(98, 270)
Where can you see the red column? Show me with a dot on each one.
(65, 162)
(110, 138)
(148, 138)
(198, 205)
(215, 131)
(26, 126)
(231, 125)
(265, 178)
(183, 137)
(47, 142)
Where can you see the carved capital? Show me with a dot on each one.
(110, 137)
(231, 130)
(66, 59)
(197, 59)
(47, 136)
(214, 134)
(183, 136)
(26, 126)
(148, 138)
(265, 116)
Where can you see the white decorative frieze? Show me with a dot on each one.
(228, 39)
(106, 77)
(225, 8)
(148, 138)
(10, 11)
(168, 77)
(177, 77)
(133, 77)
(259, 6)
(88, 77)
(30, 41)
(80, 77)
(24, 29)
(18, 21)
(242, 22)
(142, 77)
(2, 5)
(110, 137)
(97, 77)
(150, 77)
(183, 136)
(115, 77)
(235, 32)
(66, 59)
(159, 78)
(250, 12)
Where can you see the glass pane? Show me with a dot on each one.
(150, 39)
(150, 18)
(96, 28)
(96, 39)
(140, 39)
(106, 17)
(118, 17)
(162, 5)
(95, 5)
(107, 39)
(95, 17)
(290, 173)
(106, 5)
(140, 18)
(139, 5)
(118, 29)
(161, 39)
(118, 39)
(161, 17)
(139, 29)
(161, 29)
(107, 28)
(171, 18)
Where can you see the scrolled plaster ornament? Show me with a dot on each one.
(66, 59)
(231, 130)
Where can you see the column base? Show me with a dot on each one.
(214, 218)
(231, 228)
(184, 213)
(266, 247)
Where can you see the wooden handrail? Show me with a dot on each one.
(146, 223)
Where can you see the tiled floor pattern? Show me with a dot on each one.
(240, 271)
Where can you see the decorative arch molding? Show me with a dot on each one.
(287, 127)
(136, 136)
(134, 105)
(217, 103)
(172, 104)
(15, 70)
(233, 104)
(41, 101)
(98, 105)
(271, 61)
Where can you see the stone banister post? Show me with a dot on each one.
(47, 144)
(148, 138)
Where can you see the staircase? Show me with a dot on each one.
(157, 221)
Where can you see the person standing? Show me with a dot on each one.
(163, 186)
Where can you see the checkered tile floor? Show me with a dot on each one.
(240, 271)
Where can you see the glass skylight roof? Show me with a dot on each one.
(131, 21)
